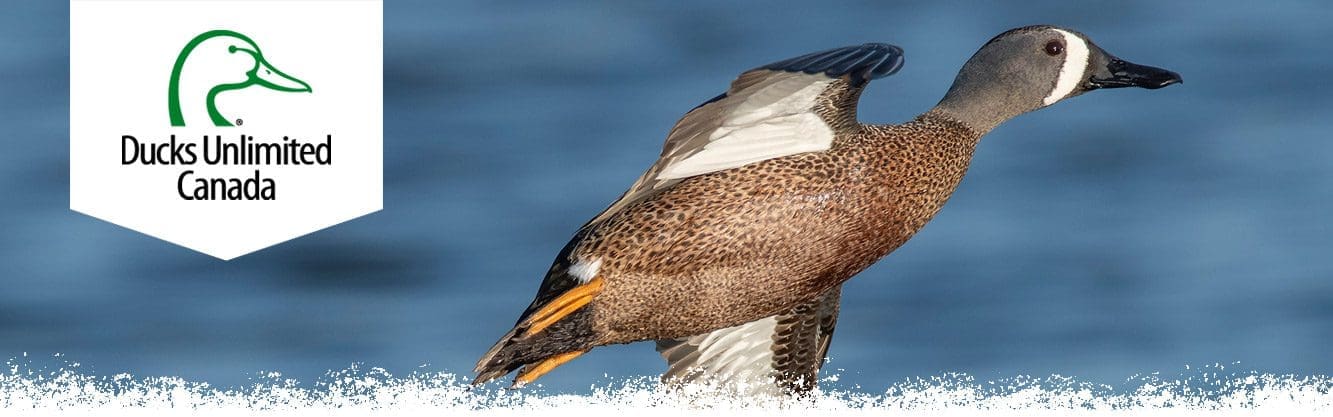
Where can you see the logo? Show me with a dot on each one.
(247, 154)
(235, 62)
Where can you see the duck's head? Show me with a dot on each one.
(1032, 67)
(222, 60)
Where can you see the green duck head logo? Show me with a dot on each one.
(218, 61)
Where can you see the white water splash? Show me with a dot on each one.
(356, 392)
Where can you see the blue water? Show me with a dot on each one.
(1121, 232)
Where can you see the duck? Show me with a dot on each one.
(730, 251)
(214, 62)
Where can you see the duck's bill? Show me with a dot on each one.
(1118, 73)
(270, 77)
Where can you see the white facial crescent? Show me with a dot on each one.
(1076, 63)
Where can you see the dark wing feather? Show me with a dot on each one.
(863, 63)
(802, 340)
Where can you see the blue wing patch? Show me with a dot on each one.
(863, 63)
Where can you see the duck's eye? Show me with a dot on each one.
(1054, 48)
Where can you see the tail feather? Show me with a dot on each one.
(498, 361)
(518, 348)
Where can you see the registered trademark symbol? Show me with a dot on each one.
(239, 122)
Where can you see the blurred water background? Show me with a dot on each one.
(1118, 233)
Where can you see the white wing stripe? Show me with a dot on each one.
(774, 120)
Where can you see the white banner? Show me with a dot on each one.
(226, 126)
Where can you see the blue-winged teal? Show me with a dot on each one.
(731, 249)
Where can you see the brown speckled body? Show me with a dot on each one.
(768, 197)
(734, 246)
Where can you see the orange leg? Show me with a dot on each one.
(532, 372)
(562, 306)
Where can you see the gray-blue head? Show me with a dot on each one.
(1032, 67)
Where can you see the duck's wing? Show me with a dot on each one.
(788, 107)
(779, 354)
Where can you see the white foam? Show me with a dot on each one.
(356, 392)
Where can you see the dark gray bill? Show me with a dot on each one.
(1120, 73)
